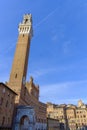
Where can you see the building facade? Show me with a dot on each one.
(7, 102)
(57, 112)
(73, 117)
(53, 124)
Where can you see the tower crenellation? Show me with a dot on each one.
(26, 26)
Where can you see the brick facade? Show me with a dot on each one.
(7, 99)
(75, 117)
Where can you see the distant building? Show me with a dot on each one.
(81, 117)
(54, 124)
(80, 103)
(57, 112)
(73, 117)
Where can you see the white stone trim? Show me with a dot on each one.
(26, 26)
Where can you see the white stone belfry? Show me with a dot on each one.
(26, 26)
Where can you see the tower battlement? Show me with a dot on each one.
(25, 27)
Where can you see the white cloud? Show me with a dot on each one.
(68, 92)
(45, 18)
(68, 101)
(37, 73)
(62, 87)
(41, 72)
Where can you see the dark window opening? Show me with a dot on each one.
(6, 103)
(8, 120)
(26, 20)
(3, 120)
(16, 76)
(1, 101)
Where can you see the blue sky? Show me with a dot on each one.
(58, 53)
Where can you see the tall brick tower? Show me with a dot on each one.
(20, 63)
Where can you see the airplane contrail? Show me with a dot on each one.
(44, 19)
(9, 48)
